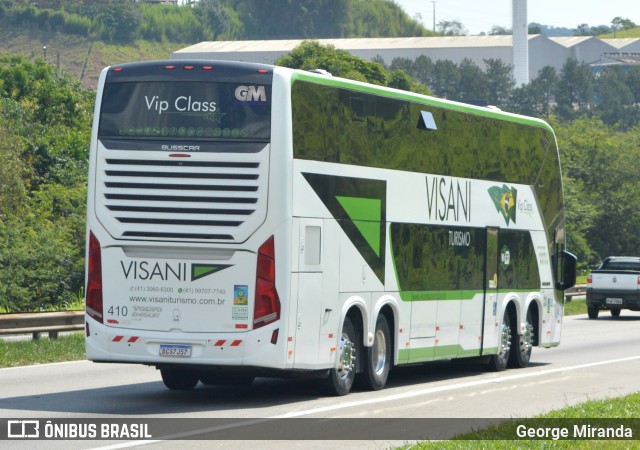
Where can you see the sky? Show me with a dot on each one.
(480, 15)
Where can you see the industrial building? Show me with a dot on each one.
(543, 51)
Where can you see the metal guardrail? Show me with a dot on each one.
(41, 322)
(577, 291)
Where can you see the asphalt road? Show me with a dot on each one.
(597, 359)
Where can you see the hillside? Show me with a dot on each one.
(623, 34)
(81, 37)
(79, 58)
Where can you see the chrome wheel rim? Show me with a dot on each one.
(505, 340)
(379, 351)
(347, 359)
(526, 342)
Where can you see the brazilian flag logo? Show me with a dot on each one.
(505, 198)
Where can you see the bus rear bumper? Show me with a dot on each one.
(252, 348)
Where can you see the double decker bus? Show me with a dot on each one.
(251, 220)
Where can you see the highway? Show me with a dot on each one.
(596, 359)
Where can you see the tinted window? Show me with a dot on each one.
(438, 258)
(622, 265)
(517, 265)
(185, 110)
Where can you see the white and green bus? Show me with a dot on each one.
(250, 220)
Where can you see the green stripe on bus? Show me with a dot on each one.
(436, 353)
(366, 214)
(413, 296)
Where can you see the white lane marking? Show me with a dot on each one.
(451, 387)
(386, 398)
(31, 366)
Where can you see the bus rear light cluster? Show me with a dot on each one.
(267, 304)
(94, 280)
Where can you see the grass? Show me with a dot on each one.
(631, 33)
(611, 412)
(79, 57)
(575, 306)
(41, 351)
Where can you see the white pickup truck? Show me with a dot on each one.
(614, 285)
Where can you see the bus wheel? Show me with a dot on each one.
(615, 312)
(378, 361)
(341, 377)
(592, 311)
(522, 344)
(498, 362)
(180, 379)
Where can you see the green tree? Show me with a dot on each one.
(445, 78)
(574, 96)
(423, 71)
(525, 99)
(615, 99)
(451, 28)
(601, 181)
(117, 20)
(45, 123)
(619, 24)
(215, 15)
(311, 55)
(472, 82)
(548, 83)
(498, 30)
(500, 81)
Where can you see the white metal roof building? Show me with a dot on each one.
(543, 51)
(625, 45)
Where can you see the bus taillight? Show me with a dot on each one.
(94, 282)
(267, 306)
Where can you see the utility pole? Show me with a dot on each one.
(434, 15)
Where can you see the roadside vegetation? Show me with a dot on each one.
(68, 347)
(45, 123)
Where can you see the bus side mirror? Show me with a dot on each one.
(564, 266)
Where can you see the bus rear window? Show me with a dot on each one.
(191, 110)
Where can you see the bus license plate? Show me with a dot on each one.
(182, 351)
(614, 301)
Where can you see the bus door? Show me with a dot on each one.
(307, 288)
(491, 282)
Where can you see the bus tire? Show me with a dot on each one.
(498, 362)
(341, 377)
(180, 379)
(592, 312)
(522, 344)
(378, 358)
